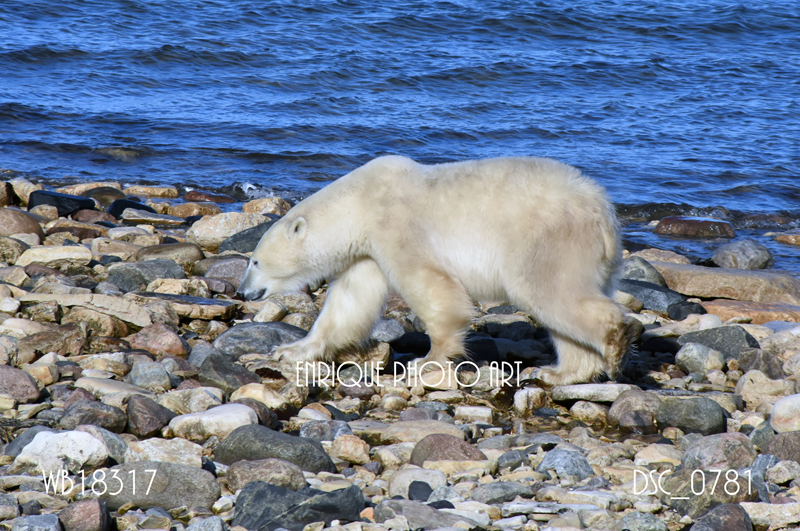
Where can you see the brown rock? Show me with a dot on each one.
(695, 227)
(199, 195)
(14, 221)
(633, 400)
(185, 210)
(229, 268)
(18, 384)
(80, 233)
(792, 237)
(415, 431)
(6, 194)
(271, 470)
(64, 340)
(92, 216)
(723, 451)
(164, 192)
(738, 284)
(758, 312)
(122, 249)
(351, 449)
(442, 447)
(184, 254)
(146, 417)
(78, 395)
(46, 211)
(210, 231)
(86, 515)
(100, 324)
(217, 285)
(267, 205)
(11, 249)
(785, 446)
(84, 188)
(159, 339)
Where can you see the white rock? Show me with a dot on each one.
(177, 451)
(9, 305)
(55, 451)
(219, 421)
(262, 393)
(480, 414)
(607, 392)
(55, 255)
(400, 480)
(100, 387)
(785, 415)
(191, 400)
(528, 400)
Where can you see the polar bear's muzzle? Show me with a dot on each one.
(251, 294)
(250, 289)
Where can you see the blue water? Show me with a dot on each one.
(676, 107)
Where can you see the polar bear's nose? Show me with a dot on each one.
(251, 294)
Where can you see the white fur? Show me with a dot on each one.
(531, 231)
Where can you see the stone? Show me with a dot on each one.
(633, 400)
(657, 453)
(476, 414)
(743, 254)
(65, 204)
(735, 489)
(264, 506)
(386, 330)
(11, 249)
(55, 256)
(184, 254)
(14, 448)
(267, 205)
(263, 394)
(51, 452)
(137, 215)
(98, 323)
(607, 392)
(246, 240)
(400, 481)
(730, 340)
(202, 195)
(274, 471)
(116, 307)
(324, 430)
(692, 415)
(695, 227)
(783, 472)
(500, 492)
(210, 231)
(443, 447)
(114, 444)
(757, 312)
(93, 216)
(775, 516)
(96, 413)
(217, 371)
(785, 446)
(136, 276)
(723, 451)
(101, 387)
(260, 338)
(565, 463)
(652, 296)
(14, 221)
(105, 195)
(184, 210)
(681, 310)
(756, 388)
(178, 451)
(351, 449)
(527, 400)
(637, 268)
(164, 192)
(153, 484)
(416, 430)
(118, 206)
(760, 360)
(785, 414)
(636, 521)
(43, 522)
(191, 307)
(258, 442)
(152, 376)
(219, 421)
(738, 284)
(694, 357)
(159, 340)
(18, 384)
(420, 516)
(85, 515)
(230, 268)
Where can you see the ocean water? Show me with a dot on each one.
(676, 107)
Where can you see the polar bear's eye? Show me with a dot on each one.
(255, 263)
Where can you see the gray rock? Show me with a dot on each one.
(212, 523)
(758, 474)
(443, 447)
(266, 417)
(115, 445)
(181, 253)
(96, 413)
(637, 268)
(173, 485)
(415, 413)
(216, 371)
(132, 276)
(245, 241)
(633, 400)
(273, 471)
(18, 384)
(200, 351)
(443, 492)
(686, 497)
(692, 415)
(44, 522)
(324, 430)
(725, 517)
(152, 376)
(761, 360)
(694, 357)
(565, 463)
(606, 392)
(419, 515)
(724, 451)
(22, 440)
(731, 340)
(229, 268)
(652, 296)
(688, 440)
(637, 521)
(500, 492)
(258, 442)
(785, 446)
(387, 330)
(743, 254)
(9, 507)
(261, 338)
(268, 507)
(146, 417)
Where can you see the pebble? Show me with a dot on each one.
(218, 421)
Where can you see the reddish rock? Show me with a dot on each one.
(442, 447)
(81, 233)
(759, 312)
(92, 216)
(86, 515)
(185, 210)
(18, 384)
(695, 227)
(146, 417)
(199, 195)
(159, 339)
(78, 395)
(13, 221)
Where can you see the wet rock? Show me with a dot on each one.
(172, 486)
(96, 413)
(105, 195)
(695, 227)
(159, 340)
(85, 515)
(259, 338)
(136, 276)
(219, 421)
(210, 231)
(184, 210)
(118, 206)
(18, 384)
(692, 415)
(419, 515)
(730, 340)
(178, 451)
(401, 480)
(257, 442)
(184, 254)
(202, 195)
(743, 254)
(653, 296)
(694, 357)
(565, 463)
(443, 447)
(64, 203)
(324, 430)
(270, 507)
(637, 268)
(267, 205)
(55, 451)
(217, 371)
(273, 471)
(724, 451)
(246, 240)
(14, 221)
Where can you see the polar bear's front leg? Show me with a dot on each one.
(353, 304)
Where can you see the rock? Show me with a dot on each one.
(267, 205)
(785, 414)
(259, 338)
(229, 268)
(219, 421)
(416, 430)
(726, 517)
(165, 192)
(420, 516)
(96, 413)
(152, 376)
(210, 231)
(695, 227)
(785, 446)
(99, 324)
(443, 447)
(216, 371)
(400, 481)
(18, 384)
(257, 442)
(114, 444)
(633, 400)
(136, 276)
(85, 515)
(692, 415)
(607, 392)
(760, 360)
(159, 340)
(526, 401)
(184, 254)
(694, 357)
(269, 507)
(757, 312)
(386, 330)
(637, 521)
(51, 452)
(266, 417)
(184, 210)
(324, 430)
(11, 249)
(93, 216)
(652, 296)
(775, 516)
(724, 451)
(263, 394)
(657, 453)
(500, 492)
(696, 503)
(55, 256)
(137, 215)
(756, 388)
(152, 484)
(274, 471)
(637, 268)
(475, 414)
(121, 309)
(246, 240)
(14, 221)
(14, 448)
(118, 206)
(681, 310)
(105, 195)
(192, 307)
(44, 522)
(716, 283)
(100, 387)
(743, 254)
(202, 195)
(178, 451)
(730, 340)
(351, 449)
(565, 463)
(64, 203)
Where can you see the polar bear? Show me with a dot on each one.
(530, 231)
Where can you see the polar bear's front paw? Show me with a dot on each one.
(546, 376)
(297, 352)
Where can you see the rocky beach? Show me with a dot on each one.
(138, 393)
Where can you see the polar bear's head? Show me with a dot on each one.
(281, 262)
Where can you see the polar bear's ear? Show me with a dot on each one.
(297, 228)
